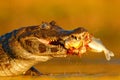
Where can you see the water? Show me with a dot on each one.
(74, 68)
(91, 66)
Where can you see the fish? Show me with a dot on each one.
(96, 45)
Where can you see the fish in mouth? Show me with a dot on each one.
(21, 49)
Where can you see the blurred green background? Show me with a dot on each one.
(100, 17)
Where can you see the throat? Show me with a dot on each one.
(15, 67)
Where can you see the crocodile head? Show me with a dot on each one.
(49, 40)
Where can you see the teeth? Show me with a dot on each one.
(53, 40)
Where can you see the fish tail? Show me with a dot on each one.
(108, 54)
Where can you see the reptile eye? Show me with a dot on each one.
(45, 26)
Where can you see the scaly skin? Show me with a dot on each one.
(21, 49)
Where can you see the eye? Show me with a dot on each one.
(45, 26)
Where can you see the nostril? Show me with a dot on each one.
(75, 37)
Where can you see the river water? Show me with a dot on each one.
(91, 66)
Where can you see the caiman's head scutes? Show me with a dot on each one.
(52, 25)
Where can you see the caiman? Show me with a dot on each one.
(21, 49)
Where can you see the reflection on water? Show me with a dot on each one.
(75, 68)
(67, 76)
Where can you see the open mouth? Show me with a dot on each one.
(70, 50)
(56, 42)
(74, 45)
